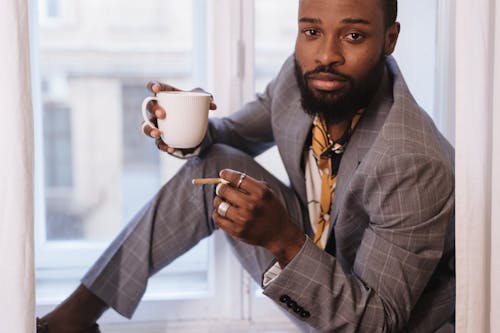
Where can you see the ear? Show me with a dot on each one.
(391, 38)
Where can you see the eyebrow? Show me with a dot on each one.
(345, 21)
(355, 21)
(309, 20)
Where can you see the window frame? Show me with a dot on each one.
(233, 297)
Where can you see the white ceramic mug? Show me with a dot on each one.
(187, 117)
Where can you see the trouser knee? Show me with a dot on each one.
(221, 156)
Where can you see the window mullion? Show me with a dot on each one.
(444, 100)
(39, 195)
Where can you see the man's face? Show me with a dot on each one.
(339, 55)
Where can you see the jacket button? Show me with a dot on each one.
(291, 304)
(284, 298)
(298, 309)
(305, 314)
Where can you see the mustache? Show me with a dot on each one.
(327, 69)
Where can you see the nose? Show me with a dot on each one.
(330, 53)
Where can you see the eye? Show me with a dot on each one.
(310, 32)
(354, 36)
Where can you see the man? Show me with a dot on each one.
(362, 241)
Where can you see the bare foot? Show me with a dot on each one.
(77, 314)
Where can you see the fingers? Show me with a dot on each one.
(232, 195)
(156, 87)
(150, 131)
(228, 212)
(213, 106)
(163, 146)
(244, 193)
(156, 134)
(242, 205)
(244, 182)
(156, 110)
(226, 222)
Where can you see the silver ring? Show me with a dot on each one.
(223, 208)
(242, 176)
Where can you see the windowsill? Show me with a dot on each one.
(163, 287)
(146, 320)
(202, 326)
(167, 297)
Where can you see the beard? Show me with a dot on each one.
(338, 106)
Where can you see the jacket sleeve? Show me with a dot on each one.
(409, 202)
(249, 129)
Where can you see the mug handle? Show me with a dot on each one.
(145, 110)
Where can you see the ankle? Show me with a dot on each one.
(85, 304)
(80, 310)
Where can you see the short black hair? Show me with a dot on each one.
(390, 11)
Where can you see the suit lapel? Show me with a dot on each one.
(291, 130)
(361, 141)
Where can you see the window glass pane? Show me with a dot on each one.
(274, 43)
(99, 167)
(416, 49)
(274, 37)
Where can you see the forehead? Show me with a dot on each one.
(369, 10)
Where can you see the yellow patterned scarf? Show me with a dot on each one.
(327, 154)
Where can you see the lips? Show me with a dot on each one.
(326, 81)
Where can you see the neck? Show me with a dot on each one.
(336, 130)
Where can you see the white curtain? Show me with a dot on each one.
(478, 165)
(17, 301)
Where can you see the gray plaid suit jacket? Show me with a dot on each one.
(389, 264)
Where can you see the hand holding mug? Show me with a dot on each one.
(176, 119)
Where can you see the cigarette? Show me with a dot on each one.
(205, 181)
